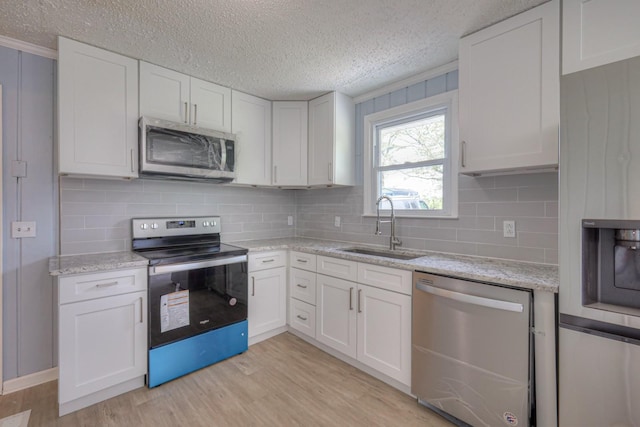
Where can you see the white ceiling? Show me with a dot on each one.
(277, 49)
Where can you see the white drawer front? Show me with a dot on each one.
(340, 268)
(302, 285)
(302, 317)
(302, 260)
(391, 279)
(80, 287)
(264, 260)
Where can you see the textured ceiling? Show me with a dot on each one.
(277, 49)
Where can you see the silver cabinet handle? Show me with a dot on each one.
(106, 285)
(304, 261)
(253, 286)
(463, 151)
(275, 174)
(132, 161)
(350, 298)
(195, 114)
(186, 112)
(301, 286)
(330, 171)
(470, 299)
(141, 313)
(301, 318)
(359, 303)
(266, 261)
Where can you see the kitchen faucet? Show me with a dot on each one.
(393, 240)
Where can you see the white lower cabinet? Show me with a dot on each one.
(267, 309)
(369, 324)
(102, 336)
(302, 293)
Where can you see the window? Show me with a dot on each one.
(409, 152)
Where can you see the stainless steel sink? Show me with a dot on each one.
(382, 253)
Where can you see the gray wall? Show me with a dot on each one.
(530, 200)
(95, 214)
(28, 129)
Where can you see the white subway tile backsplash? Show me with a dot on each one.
(537, 193)
(538, 240)
(519, 209)
(488, 195)
(510, 252)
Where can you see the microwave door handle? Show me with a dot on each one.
(223, 155)
(185, 266)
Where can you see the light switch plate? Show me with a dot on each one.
(20, 229)
(290, 220)
(509, 228)
(336, 222)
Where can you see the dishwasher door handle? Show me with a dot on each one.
(471, 299)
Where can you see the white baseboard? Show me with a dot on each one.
(26, 381)
(266, 335)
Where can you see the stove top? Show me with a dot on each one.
(180, 239)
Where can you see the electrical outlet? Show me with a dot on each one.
(20, 229)
(336, 221)
(509, 228)
(290, 220)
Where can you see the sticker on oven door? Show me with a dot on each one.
(510, 418)
(174, 310)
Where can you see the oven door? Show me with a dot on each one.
(188, 299)
(178, 150)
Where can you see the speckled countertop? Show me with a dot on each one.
(76, 264)
(542, 277)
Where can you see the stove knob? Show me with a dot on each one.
(205, 224)
(213, 223)
(154, 225)
(144, 226)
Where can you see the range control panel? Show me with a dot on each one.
(162, 227)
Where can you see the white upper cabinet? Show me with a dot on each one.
(167, 94)
(252, 127)
(331, 140)
(598, 32)
(509, 94)
(290, 143)
(97, 111)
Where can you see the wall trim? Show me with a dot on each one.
(425, 75)
(28, 47)
(31, 380)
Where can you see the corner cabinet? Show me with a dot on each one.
(267, 311)
(102, 335)
(251, 123)
(598, 32)
(170, 95)
(331, 140)
(97, 112)
(509, 94)
(290, 143)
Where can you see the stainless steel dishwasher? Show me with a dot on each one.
(472, 351)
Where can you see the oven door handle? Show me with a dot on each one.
(171, 268)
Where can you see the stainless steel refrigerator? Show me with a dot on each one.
(599, 299)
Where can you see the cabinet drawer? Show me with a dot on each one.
(340, 268)
(302, 317)
(391, 279)
(264, 260)
(302, 285)
(302, 260)
(80, 287)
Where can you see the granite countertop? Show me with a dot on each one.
(541, 277)
(76, 264)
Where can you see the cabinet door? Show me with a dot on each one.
(290, 143)
(103, 342)
(164, 93)
(321, 139)
(509, 93)
(598, 32)
(384, 332)
(267, 300)
(336, 314)
(210, 105)
(251, 124)
(97, 111)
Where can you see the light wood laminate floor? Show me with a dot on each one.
(283, 381)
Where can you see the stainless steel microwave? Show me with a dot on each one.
(177, 151)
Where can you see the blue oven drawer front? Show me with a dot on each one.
(182, 357)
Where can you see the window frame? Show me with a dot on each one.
(447, 101)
